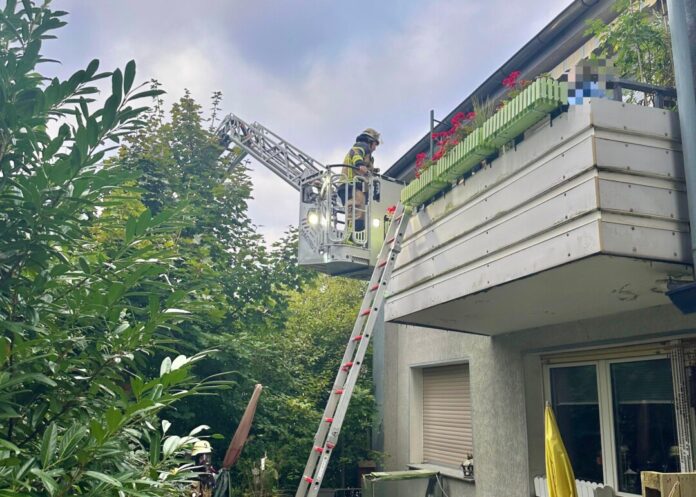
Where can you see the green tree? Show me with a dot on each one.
(80, 318)
(297, 364)
(224, 263)
(240, 289)
(638, 41)
(269, 320)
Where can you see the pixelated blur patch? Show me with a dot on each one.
(590, 78)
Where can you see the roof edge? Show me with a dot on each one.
(567, 27)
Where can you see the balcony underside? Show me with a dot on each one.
(586, 217)
(599, 285)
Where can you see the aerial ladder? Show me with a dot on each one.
(325, 242)
(284, 159)
(326, 245)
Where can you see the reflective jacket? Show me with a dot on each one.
(358, 155)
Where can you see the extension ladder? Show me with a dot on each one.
(337, 405)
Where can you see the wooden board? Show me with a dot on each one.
(668, 484)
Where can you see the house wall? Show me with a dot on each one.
(653, 324)
(497, 386)
(506, 389)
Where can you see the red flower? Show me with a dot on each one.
(511, 80)
(391, 210)
(420, 159)
(438, 154)
(457, 119)
(470, 116)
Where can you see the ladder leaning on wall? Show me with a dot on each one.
(337, 405)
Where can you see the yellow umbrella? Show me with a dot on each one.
(559, 472)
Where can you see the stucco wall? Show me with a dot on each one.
(506, 389)
(652, 324)
(497, 388)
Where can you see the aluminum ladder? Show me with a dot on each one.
(278, 155)
(337, 405)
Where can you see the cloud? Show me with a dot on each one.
(309, 71)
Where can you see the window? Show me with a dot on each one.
(617, 419)
(576, 404)
(447, 429)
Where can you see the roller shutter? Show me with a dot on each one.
(447, 427)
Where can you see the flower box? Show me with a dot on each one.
(519, 114)
(422, 189)
(526, 109)
(463, 157)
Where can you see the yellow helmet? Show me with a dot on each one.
(201, 447)
(372, 135)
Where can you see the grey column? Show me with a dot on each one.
(682, 24)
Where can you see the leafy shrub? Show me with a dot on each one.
(80, 315)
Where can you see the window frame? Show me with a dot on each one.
(606, 406)
(416, 417)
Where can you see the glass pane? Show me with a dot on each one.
(644, 420)
(574, 400)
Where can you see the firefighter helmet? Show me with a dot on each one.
(201, 447)
(372, 135)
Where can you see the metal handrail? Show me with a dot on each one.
(660, 92)
(339, 181)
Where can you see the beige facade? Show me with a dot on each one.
(544, 274)
(509, 377)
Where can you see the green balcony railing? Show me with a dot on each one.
(536, 101)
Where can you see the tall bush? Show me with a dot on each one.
(638, 41)
(84, 295)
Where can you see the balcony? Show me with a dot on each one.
(585, 217)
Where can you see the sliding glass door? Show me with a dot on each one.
(617, 419)
(645, 430)
(575, 402)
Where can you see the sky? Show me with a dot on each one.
(316, 72)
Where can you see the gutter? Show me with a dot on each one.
(682, 24)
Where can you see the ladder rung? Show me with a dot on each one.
(325, 440)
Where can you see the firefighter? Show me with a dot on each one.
(202, 458)
(359, 162)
